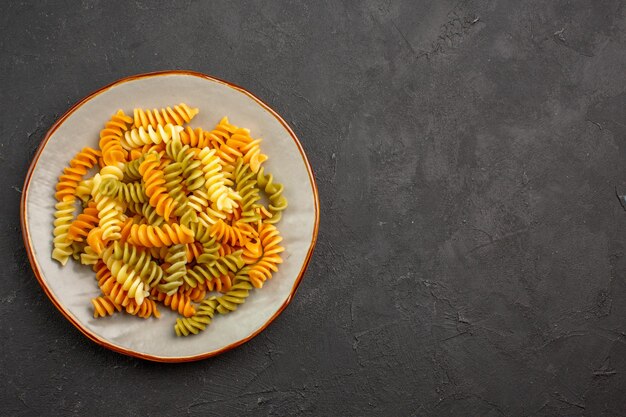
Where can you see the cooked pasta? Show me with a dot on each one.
(173, 216)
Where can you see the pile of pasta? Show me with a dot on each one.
(172, 216)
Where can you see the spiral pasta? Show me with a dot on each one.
(179, 302)
(199, 321)
(89, 256)
(236, 296)
(141, 261)
(146, 310)
(125, 275)
(236, 235)
(155, 236)
(176, 259)
(140, 137)
(241, 141)
(110, 138)
(218, 193)
(194, 138)
(172, 173)
(147, 211)
(104, 306)
(73, 175)
(246, 186)
(178, 115)
(84, 189)
(127, 193)
(154, 179)
(274, 192)
(109, 212)
(268, 263)
(64, 214)
(131, 169)
(85, 221)
(206, 273)
(173, 216)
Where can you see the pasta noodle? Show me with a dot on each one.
(177, 116)
(73, 174)
(110, 138)
(173, 216)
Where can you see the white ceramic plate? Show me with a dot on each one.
(71, 287)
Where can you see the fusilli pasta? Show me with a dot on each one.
(174, 215)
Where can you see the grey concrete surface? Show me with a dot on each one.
(471, 249)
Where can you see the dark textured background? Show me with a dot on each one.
(471, 249)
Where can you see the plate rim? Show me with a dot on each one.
(90, 334)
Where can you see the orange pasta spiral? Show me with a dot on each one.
(263, 268)
(110, 138)
(158, 236)
(179, 302)
(194, 250)
(103, 306)
(154, 180)
(111, 288)
(194, 138)
(240, 143)
(196, 294)
(146, 310)
(222, 283)
(117, 296)
(73, 175)
(87, 220)
(95, 240)
(237, 235)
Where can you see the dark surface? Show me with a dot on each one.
(471, 249)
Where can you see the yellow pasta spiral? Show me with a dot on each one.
(89, 256)
(218, 193)
(141, 262)
(177, 116)
(64, 215)
(139, 137)
(109, 213)
(125, 275)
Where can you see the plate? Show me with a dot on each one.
(70, 288)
